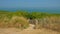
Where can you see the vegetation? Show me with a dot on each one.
(20, 19)
(13, 19)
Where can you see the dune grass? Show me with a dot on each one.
(19, 19)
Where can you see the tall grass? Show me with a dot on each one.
(52, 22)
(12, 19)
(19, 19)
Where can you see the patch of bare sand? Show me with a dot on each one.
(29, 30)
(18, 31)
(39, 31)
(9, 31)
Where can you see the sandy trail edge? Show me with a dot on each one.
(29, 30)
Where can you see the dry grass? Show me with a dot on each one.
(15, 21)
(52, 23)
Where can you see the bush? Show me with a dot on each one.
(14, 21)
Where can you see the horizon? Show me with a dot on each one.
(31, 5)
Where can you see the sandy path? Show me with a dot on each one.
(9, 31)
(29, 30)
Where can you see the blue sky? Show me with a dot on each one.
(29, 3)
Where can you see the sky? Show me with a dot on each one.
(29, 3)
